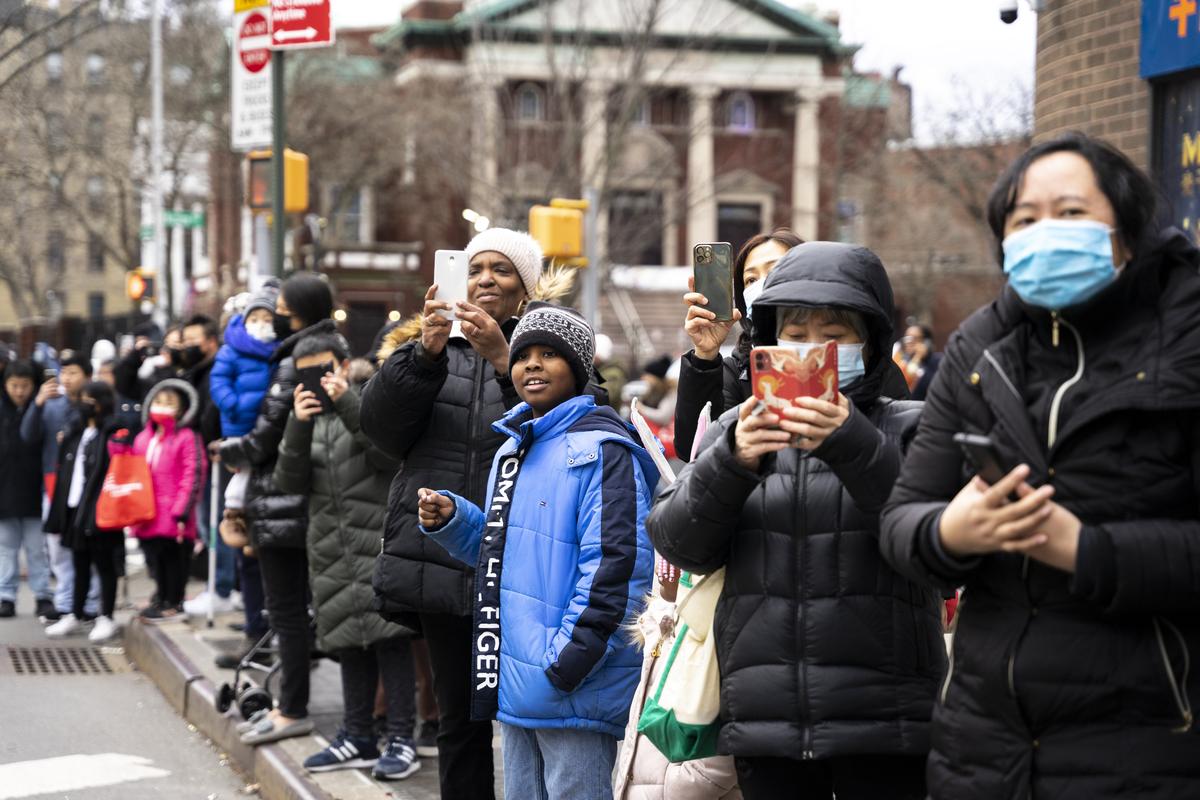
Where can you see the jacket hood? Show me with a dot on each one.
(289, 344)
(833, 275)
(190, 398)
(238, 338)
(554, 284)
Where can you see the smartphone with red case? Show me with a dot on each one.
(780, 375)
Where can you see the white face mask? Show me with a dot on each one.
(262, 331)
(750, 294)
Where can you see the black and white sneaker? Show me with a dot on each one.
(398, 761)
(427, 735)
(344, 752)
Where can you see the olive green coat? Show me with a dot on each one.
(346, 479)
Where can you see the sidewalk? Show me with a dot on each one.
(178, 656)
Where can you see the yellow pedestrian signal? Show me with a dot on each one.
(558, 230)
(139, 285)
(295, 181)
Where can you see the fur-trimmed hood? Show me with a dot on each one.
(554, 285)
(191, 400)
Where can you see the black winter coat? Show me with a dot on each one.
(725, 382)
(208, 416)
(75, 532)
(436, 416)
(274, 518)
(1071, 686)
(20, 465)
(824, 650)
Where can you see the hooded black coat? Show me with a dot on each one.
(824, 650)
(274, 518)
(20, 465)
(78, 529)
(1071, 686)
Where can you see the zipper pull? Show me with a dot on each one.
(1054, 328)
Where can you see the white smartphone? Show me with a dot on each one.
(450, 275)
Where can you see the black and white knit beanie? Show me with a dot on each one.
(561, 328)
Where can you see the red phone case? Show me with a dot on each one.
(779, 375)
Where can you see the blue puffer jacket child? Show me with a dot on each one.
(577, 565)
(240, 377)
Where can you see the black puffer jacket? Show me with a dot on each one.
(274, 518)
(75, 531)
(436, 415)
(824, 649)
(1072, 686)
(20, 465)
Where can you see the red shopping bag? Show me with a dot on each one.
(127, 496)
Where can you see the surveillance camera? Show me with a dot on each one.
(1008, 11)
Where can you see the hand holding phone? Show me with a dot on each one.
(310, 382)
(980, 453)
(780, 375)
(712, 269)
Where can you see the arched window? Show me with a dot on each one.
(739, 112)
(641, 113)
(530, 103)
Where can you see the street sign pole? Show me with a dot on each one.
(279, 106)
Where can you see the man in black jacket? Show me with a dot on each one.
(829, 659)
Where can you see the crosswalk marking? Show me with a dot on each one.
(72, 773)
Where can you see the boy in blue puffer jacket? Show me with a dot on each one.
(562, 563)
(242, 372)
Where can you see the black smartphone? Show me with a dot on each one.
(712, 266)
(310, 378)
(980, 453)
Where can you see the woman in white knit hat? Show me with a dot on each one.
(432, 404)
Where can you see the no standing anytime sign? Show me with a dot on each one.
(299, 24)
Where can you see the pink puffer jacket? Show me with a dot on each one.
(643, 773)
(178, 466)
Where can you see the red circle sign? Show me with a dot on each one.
(255, 26)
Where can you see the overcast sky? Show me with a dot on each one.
(945, 46)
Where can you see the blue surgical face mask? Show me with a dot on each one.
(851, 366)
(1059, 263)
(750, 294)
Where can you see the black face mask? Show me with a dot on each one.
(191, 356)
(283, 326)
(175, 356)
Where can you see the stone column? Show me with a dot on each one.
(701, 194)
(593, 157)
(806, 164)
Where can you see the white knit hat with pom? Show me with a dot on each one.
(520, 248)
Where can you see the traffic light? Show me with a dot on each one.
(295, 181)
(558, 228)
(139, 285)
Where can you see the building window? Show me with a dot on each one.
(95, 69)
(641, 113)
(737, 222)
(54, 67)
(95, 305)
(56, 131)
(409, 174)
(95, 133)
(57, 196)
(347, 213)
(95, 193)
(56, 257)
(635, 228)
(95, 254)
(531, 103)
(739, 112)
(180, 75)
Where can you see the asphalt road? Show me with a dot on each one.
(96, 736)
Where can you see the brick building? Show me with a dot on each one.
(1128, 71)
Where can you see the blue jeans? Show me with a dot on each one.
(15, 533)
(62, 564)
(226, 576)
(546, 763)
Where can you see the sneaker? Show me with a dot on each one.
(160, 614)
(67, 626)
(104, 629)
(427, 739)
(46, 612)
(230, 660)
(344, 752)
(398, 761)
(7, 609)
(198, 605)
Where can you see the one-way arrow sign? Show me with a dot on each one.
(300, 23)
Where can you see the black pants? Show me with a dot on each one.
(285, 581)
(101, 551)
(866, 777)
(361, 670)
(464, 747)
(166, 558)
(253, 600)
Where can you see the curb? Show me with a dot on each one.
(192, 695)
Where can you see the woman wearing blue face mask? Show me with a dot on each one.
(829, 659)
(1073, 667)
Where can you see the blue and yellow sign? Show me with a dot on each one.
(1170, 36)
(1178, 157)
